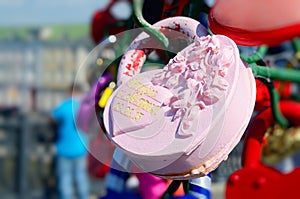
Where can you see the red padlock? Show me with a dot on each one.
(256, 180)
(262, 100)
(256, 22)
(103, 23)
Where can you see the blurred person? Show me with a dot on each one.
(70, 146)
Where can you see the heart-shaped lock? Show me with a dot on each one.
(86, 119)
(100, 148)
(256, 180)
(182, 121)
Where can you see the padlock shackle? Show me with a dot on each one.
(135, 56)
(254, 135)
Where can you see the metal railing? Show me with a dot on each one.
(26, 156)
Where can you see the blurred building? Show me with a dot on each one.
(37, 65)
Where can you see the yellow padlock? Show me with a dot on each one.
(106, 94)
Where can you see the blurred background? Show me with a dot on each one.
(42, 44)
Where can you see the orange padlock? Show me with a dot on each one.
(254, 179)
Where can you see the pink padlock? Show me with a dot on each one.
(182, 121)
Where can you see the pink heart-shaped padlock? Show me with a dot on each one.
(182, 121)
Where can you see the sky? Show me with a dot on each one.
(47, 12)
